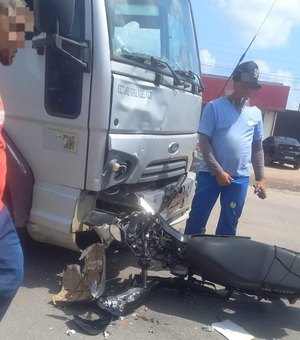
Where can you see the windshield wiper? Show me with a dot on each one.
(154, 62)
(191, 75)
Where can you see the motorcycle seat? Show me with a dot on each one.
(230, 261)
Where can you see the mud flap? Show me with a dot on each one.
(87, 285)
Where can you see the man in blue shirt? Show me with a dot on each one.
(230, 137)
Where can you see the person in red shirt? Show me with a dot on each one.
(15, 20)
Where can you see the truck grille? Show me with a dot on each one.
(164, 169)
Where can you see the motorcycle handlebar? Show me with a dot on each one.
(171, 192)
(138, 221)
(180, 182)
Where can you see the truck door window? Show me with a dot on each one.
(63, 80)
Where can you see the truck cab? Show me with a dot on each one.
(102, 108)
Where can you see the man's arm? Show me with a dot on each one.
(257, 159)
(215, 169)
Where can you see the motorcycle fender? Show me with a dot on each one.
(103, 223)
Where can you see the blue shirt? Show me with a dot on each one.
(231, 134)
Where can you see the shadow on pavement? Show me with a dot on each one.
(262, 319)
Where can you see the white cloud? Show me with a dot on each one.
(248, 16)
(208, 61)
(282, 77)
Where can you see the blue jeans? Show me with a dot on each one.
(11, 261)
(232, 199)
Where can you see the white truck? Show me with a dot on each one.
(101, 109)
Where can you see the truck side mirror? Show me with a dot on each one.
(54, 16)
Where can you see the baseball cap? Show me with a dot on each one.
(247, 72)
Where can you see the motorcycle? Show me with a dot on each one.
(198, 262)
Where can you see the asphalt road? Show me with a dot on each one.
(283, 177)
(166, 315)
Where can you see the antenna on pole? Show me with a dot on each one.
(251, 42)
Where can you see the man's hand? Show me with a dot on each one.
(260, 189)
(223, 178)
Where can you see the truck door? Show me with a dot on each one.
(48, 117)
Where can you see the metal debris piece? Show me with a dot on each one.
(123, 303)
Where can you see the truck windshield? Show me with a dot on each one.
(159, 28)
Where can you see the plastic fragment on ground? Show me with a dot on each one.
(231, 330)
(78, 285)
(70, 332)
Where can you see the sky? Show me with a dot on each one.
(225, 28)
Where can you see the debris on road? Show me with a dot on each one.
(207, 328)
(106, 334)
(70, 332)
(231, 330)
(82, 286)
